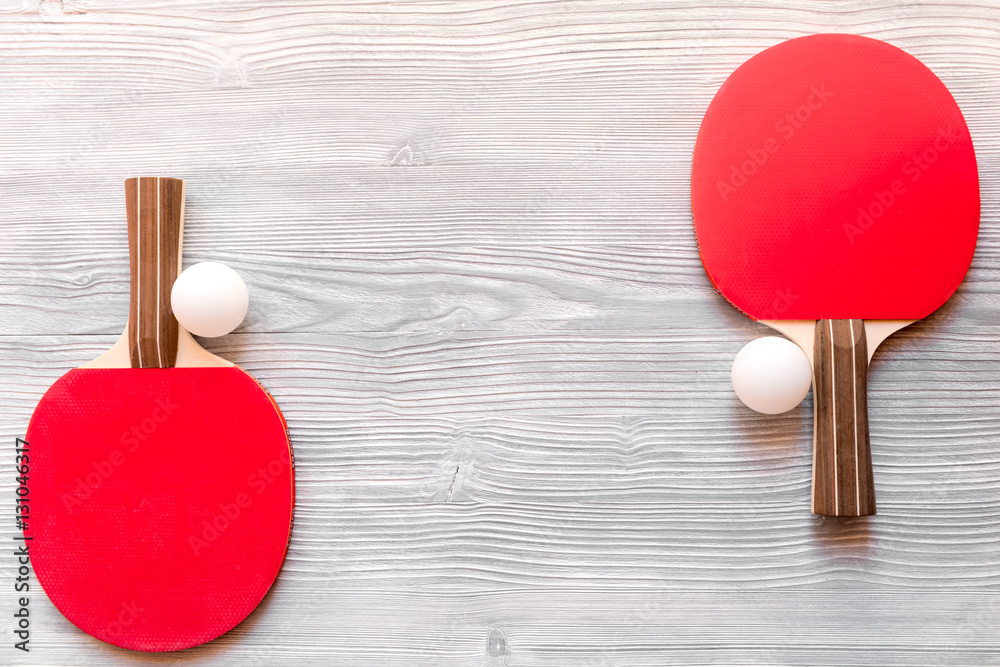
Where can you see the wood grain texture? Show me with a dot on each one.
(843, 483)
(155, 212)
(476, 296)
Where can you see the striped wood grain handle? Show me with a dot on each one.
(155, 209)
(843, 483)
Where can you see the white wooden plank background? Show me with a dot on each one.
(477, 298)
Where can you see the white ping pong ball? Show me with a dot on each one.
(209, 299)
(771, 375)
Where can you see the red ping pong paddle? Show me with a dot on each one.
(161, 476)
(835, 198)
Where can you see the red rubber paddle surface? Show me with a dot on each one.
(160, 501)
(834, 177)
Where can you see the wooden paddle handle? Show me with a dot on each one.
(843, 484)
(155, 209)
